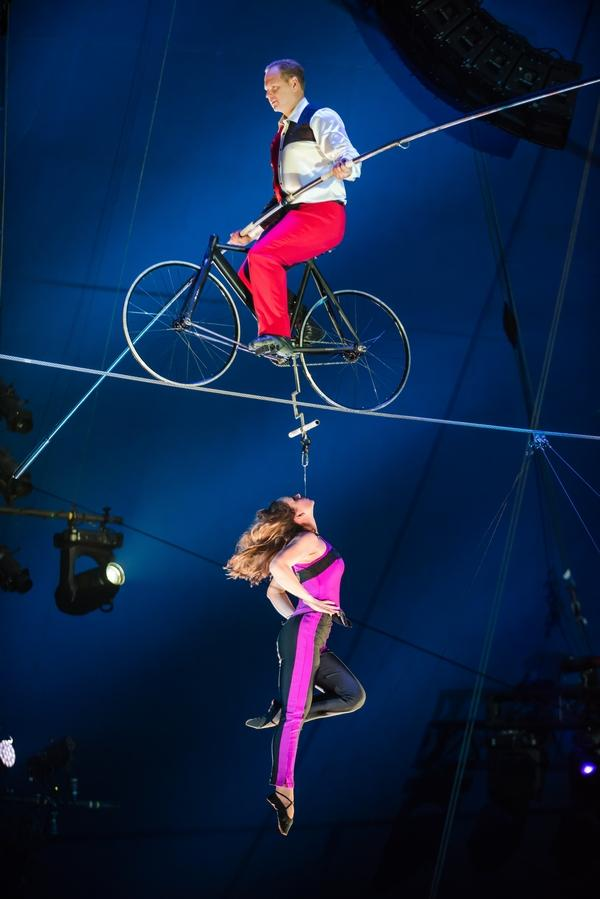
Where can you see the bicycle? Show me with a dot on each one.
(183, 327)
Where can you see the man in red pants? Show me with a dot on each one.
(310, 142)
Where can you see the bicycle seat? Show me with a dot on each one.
(312, 259)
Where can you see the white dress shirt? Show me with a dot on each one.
(303, 161)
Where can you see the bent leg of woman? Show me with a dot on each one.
(343, 692)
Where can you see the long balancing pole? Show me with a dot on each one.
(403, 142)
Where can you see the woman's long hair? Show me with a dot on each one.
(272, 528)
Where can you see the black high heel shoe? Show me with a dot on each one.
(284, 822)
(269, 719)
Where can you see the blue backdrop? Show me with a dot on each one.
(113, 163)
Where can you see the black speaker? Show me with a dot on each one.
(471, 60)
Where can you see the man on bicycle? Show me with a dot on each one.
(308, 142)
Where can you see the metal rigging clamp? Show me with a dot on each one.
(537, 442)
(302, 431)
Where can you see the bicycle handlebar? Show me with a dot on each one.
(403, 142)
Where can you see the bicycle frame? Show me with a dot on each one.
(215, 256)
(199, 331)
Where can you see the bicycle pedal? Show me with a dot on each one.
(277, 360)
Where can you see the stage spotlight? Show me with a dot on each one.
(80, 592)
(9, 487)
(7, 753)
(13, 410)
(585, 768)
(13, 578)
(115, 573)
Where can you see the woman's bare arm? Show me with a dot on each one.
(302, 549)
(280, 600)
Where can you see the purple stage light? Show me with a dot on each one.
(588, 768)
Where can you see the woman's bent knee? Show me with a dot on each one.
(357, 699)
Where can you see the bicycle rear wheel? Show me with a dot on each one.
(369, 360)
(174, 343)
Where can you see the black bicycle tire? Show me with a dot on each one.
(227, 297)
(403, 335)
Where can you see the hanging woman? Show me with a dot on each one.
(283, 541)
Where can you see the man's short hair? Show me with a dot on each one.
(288, 68)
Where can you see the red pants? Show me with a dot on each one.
(304, 232)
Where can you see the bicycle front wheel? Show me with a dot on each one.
(360, 359)
(173, 341)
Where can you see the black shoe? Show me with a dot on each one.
(284, 822)
(271, 345)
(269, 719)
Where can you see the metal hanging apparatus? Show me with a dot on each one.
(302, 431)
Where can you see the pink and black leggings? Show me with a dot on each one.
(305, 662)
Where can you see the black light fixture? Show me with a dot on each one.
(12, 488)
(12, 409)
(13, 578)
(58, 754)
(586, 666)
(472, 60)
(516, 767)
(80, 592)
(517, 764)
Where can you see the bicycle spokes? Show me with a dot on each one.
(362, 359)
(182, 326)
(177, 337)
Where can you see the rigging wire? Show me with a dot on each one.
(4, 150)
(402, 142)
(473, 338)
(140, 178)
(574, 470)
(553, 540)
(573, 506)
(430, 652)
(479, 681)
(132, 219)
(220, 565)
(494, 525)
(124, 133)
(565, 272)
(393, 416)
(130, 527)
(495, 608)
(542, 445)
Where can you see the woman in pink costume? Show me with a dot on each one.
(284, 542)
